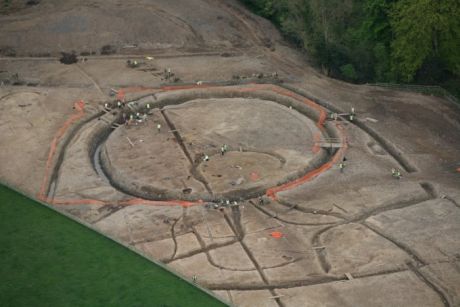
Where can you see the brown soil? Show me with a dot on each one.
(348, 238)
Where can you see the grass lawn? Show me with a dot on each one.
(47, 259)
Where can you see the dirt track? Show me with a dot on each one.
(355, 238)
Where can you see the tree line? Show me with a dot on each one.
(397, 41)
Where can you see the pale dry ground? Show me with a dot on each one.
(255, 158)
(354, 239)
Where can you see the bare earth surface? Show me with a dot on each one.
(354, 238)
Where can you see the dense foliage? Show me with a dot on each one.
(373, 40)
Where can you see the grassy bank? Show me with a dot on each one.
(47, 259)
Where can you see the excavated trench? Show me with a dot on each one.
(104, 167)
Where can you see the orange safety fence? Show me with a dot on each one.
(79, 106)
(314, 173)
(140, 201)
(127, 202)
(69, 202)
(121, 93)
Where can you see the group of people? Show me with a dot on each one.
(131, 116)
(223, 150)
(118, 104)
(335, 116)
(395, 173)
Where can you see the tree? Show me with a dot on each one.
(349, 72)
(425, 30)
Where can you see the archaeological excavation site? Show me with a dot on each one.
(211, 147)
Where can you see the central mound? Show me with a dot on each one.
(268, 144)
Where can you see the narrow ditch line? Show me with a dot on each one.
(310, 211)
(303, 282)
(203, 247)
(402, 246)
(62, 148)
(452, 201)
(394, 206)
(434, 287)
(52, 190)
(173, 237)
(152, 240)
(390, 148)
(86, 75)
(202, 250)
(180, 141)
(429, 189)
(276, 217)
(321, 253)
(112, 210)
(178, 137)
(236, 214)
(281, 264)
(238, 230)
(211, 260)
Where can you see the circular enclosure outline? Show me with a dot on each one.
(179, 95)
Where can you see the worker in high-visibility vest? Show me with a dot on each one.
(261, 200)
(223, 149)
(396, 173)
(352, 114)
(341, 166)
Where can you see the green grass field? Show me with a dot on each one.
(47, 259)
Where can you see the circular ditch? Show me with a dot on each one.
(271, 140)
